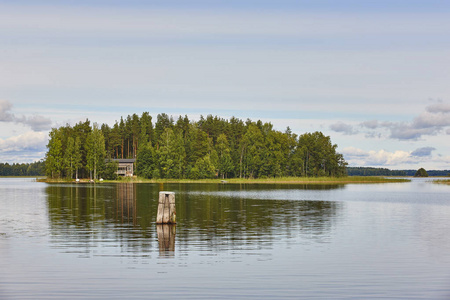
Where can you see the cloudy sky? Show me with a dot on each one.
(374, 75)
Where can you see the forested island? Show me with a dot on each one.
(184, 149)
(211, 147)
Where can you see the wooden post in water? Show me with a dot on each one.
(166, 208)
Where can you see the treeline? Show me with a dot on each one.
(210, 147)
(442, 173)
(31, 169)
(367, 171)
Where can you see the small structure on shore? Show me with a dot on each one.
(125, 166)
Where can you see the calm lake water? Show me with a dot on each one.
(355, 241)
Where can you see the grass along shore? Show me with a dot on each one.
(442, 181)
(278, 180)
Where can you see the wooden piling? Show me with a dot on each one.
(166, 208)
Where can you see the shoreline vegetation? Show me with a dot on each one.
(281, 180)
(442, 181)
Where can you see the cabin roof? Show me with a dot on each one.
(125, 160)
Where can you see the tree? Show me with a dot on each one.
(146, 132)
(223, 150)
(145, 162)
(122, 132)
(421, 173)
(252, 146)
(95, 145)
(77, 160)
(197, 145)
(319, 155)
(171, 154)
(115, 140)
(69, 157)
(162, 122)
(82, 130)
(135, 130)
(203, 168)
(54, 156)
(110, 172)
(109, 147)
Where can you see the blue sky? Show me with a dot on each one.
(371, 74)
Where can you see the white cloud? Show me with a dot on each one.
(5, 115)
(398, 159)
(35, 122)
(439, 107)
(30, 141)
(38, 123)
(424, 151)
(372, 124)
(432, 121)
(359, 157)
(353, 152)
(344, 128)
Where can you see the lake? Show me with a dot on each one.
(258, 241)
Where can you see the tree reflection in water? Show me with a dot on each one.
(119, 219)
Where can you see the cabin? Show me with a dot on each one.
(125, 166)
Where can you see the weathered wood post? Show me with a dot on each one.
(166, 208)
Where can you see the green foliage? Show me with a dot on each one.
(95, 151)
(32, 169)
(110, 170)
(421, 173)
(212, 147)
(145, 162)
(203, 169)
(171, 154)
(319, 156)
(55, 156)
(366, 171)
(223, 151)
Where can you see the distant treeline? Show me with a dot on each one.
(207, 148)
(429, 172)
(367, 171)
(32, 169)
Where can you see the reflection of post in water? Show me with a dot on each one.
(126, 202)
(166, 239)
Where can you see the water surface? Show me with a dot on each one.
(86, 241)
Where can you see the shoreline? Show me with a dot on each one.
(442, 181)
(285, 180)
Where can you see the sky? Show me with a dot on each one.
(373, 75)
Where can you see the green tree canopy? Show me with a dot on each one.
(421, 173)
(210, 147)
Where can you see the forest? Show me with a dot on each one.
(24, 169)
(211, 147)
(369, 171)
(366, 171)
